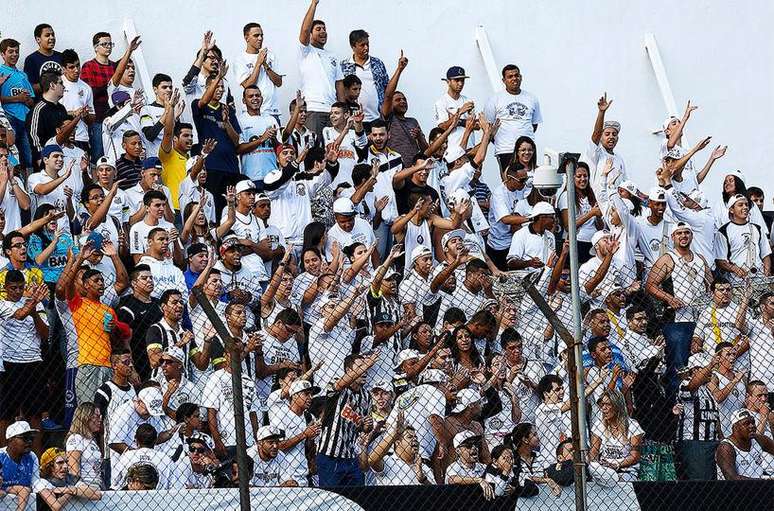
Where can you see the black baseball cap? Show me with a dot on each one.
(196, 248)
(456, 72)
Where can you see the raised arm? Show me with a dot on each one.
(676, 134)
(342, 307)
(375, 459)
(718, 153)
(209, 92)
(121, 66)
(306, 25)
(392, 86)
(602, 105)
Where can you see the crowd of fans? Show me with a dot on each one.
(354, 260)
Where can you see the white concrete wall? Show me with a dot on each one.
(717, 54)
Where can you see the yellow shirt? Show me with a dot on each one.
(173, 172)
(32, 275)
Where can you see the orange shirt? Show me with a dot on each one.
(90, 318)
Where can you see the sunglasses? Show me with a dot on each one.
(167, 361)
(106, 45)
(19, 245)
(197, 450)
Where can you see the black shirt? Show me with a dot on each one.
(409, 187)
(42, 123)
(139, 316)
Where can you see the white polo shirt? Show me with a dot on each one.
(320, 71)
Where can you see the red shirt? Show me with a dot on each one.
(97, 76)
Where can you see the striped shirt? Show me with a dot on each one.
(343, 410)
(700, 419)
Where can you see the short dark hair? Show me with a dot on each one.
(350, 360)
(8, 43)
(360, 173)
(153, 232)
(356, 36)
(717, 282)
(378, 123)
(185, 410)
(247, 28)
(158, 78)
(251, 87)
(509, 335)
(146, 435)
(69, 57)
(754, 190)
(474, 265)
(510, 67)
(634, 309)
(288, 317)
(39, 29)
(48, 79)
(180, 126)
(129, 134)
(99, 35)
(340, 104)
(560, 447)
(351, 80)
(314, 155)
(724, 344)
(151, 195)
(454, 315)
(14, 277)
(435, 132)
(169, 293)
(89, 274)
(137, 269)
(596, 341)
(545, 384)
(315, 23)
(7, 241)
(87, 190)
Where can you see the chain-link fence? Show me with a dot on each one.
(355, 379)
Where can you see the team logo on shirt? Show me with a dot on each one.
(655, 244)
(50, 67)
(300, 189)
(516, 110)
(420, 239)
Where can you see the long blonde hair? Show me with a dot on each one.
(81, 418)
(618, 402)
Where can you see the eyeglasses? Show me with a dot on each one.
(106, 45)
(126, 362)
(19, 245)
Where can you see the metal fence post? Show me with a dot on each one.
(236, 385)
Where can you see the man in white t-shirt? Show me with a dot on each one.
(454, 102)
(247, 228)
(533, 244)
(258, 138)
(298, 426)
(347, 134)
(149, 180)
(518, 112)
(155, 202)
(257, 66)
(742, 248)
(270, 465)
(77, 95)
(145, 437)
(350, 228)
(47, 186)
(604, 138)
(151, 116)
(321, 74)
(279, 350)
(218, 398)
(503, 218)
(13, 197)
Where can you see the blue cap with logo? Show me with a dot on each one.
(456, 72)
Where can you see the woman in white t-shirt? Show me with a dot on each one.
(587, 211)
(196, 228)
(615, 442)
(84, 458)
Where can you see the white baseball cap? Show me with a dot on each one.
(302, 386)
(668, 121)
(404, 355)
(343, 206)
(542, 208)
(245, 186)
(152, 399)
(18, 428)
(382, 385)
(106, 160)
(596, 238)
(679, 226)
(465, 436)
(272, 177)
(433, 376)
(738, 173)
(657, 194)
(260, 197)
(734, 199)
(419, 251)
(176, 353)
(269, 433)
(453, 153)
(465, 398)
(698, 197)
(629, 186)
(740, 415)
(455, 233)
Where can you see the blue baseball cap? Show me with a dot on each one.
(455, 72)
(96, 240)
(151, 163)
(120, 97)
(50, 148)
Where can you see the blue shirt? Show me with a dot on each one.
(190, 278)
(18, 474)
(209, 124)
(16, 82)
(53, 266)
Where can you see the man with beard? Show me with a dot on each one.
(270, 465)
